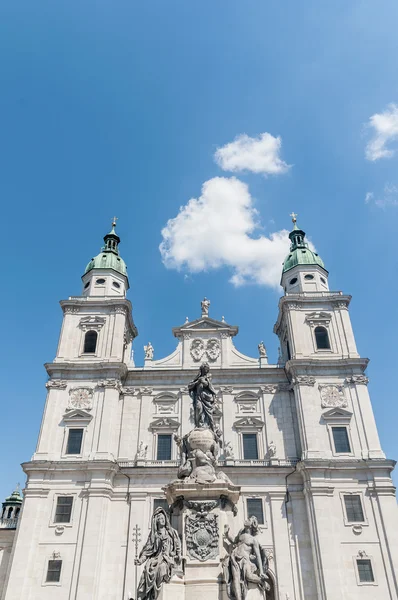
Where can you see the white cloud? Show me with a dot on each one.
(258, 155)
(388, 198)
(385, 129)
(217, 229)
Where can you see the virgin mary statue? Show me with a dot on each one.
(161, 551)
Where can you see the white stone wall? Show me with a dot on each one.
(291, 408)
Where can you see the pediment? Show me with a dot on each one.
(249, 424)
(205, 324)
(76, 415)
(337, 414)
(165, 423)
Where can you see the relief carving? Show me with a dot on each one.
(333, 396)
(201, 533)
(80, 398)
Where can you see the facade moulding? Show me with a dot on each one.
(104, 370)
(77, 304)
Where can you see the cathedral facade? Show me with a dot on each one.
(293, 448)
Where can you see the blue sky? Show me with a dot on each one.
(118, 108)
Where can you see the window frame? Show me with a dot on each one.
(341, 426)
(322, 326)
(259, 499)
(95, 353)
(164, 433)
(53, 522)
(370, 559)
(347, 522)
(48, 558)
(255, 434)
(65, 442)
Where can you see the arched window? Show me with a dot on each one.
(322, 338)
(90, 342)
(17, 513)
(9, 512)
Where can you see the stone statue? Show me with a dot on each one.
(203, 396)
(205, 304)
(161, 552)
(148, 351)
(271, 449)
(142, 451)
(262, 350)
(228, 450)
(246, 563)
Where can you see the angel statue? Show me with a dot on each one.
(162, 552)
(246, 563)
(203, 395)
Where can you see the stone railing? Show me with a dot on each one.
(142, 462)
(230, 462)
(8, 523)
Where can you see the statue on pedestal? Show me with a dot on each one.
(162, 552)
(203, 396)
(246, 563)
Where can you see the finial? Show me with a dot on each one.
(186, 320)
(223, 319)
(294, 217)
(114, 221)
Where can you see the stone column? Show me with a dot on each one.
(281, 542)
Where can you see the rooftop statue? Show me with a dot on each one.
(246, 563)
(161, 552)
(205, 305)
(203, 395)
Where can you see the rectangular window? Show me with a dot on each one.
(74, 444)
(164, 447)
(353, 507)
(64, 509)
(161, 503)
(365, 570)
(341, 441)
(54, 570)
(250, 450)
(255, 509)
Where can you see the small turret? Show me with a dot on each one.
(11, 508)
(303, 269)
(106, 273)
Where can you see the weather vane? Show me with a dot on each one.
(294, 217)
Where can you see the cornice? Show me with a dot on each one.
(309, 465)
(104, 370)
(64, 465)
(296, 367)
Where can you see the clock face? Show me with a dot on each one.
(333, 396)
(80, 398)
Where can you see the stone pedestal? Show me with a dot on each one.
(200, 513)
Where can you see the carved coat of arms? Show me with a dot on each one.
(201, 532)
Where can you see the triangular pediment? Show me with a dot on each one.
(337, 414)
(205, 324)
(165, 423)
(77, 414)
(249, 424)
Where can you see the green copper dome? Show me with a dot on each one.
(300, 253)
(15, 498)
(109, 257)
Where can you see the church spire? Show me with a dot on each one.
(303, 269)
(106, 273)
(112, 240)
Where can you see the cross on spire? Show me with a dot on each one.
(114, 221)
(294, 217)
